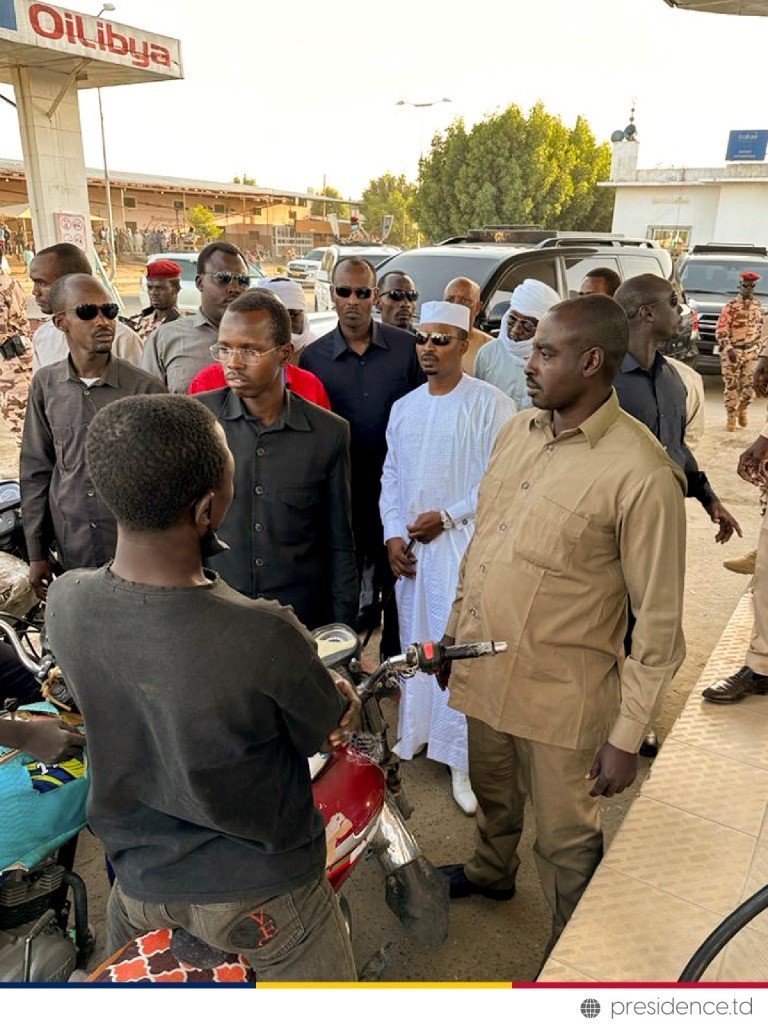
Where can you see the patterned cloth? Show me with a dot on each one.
(149, 959)
(13, 308)
(740, 324)
(738, 379)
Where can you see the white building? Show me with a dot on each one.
(683, 206)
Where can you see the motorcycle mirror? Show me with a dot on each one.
(336, 644)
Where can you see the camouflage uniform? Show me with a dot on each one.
(149, 319)
(16, 371)
(739, 329)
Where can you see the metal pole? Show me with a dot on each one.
(111, 228)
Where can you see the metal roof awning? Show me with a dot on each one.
(753, 8)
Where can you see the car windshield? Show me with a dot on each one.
(431, 272)
(316, 254)
(721, 277)
(374, 256)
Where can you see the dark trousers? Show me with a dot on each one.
(15, 682)
(371, 551)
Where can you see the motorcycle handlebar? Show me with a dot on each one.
(24, 657)
(429, 657)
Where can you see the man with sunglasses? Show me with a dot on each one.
(366, 367)
(48, 343)
(59, 503)
(739, 333)
(397, 299)
(177, 351)
(653, 392)
(502, 362)
(439, 441)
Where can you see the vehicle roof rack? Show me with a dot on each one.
(732, 248)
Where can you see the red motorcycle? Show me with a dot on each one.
(356, 790)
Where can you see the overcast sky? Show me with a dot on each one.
(291, 92)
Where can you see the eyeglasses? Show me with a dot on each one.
(250, 356)
(89, 310)
(399, 295)
(344, 291)
(224, 277)
(436, 339)
(671, 299)
(529, 326)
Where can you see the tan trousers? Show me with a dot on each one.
(737, 379)
(757, 655)
(503, 769)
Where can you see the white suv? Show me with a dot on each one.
(189, 296)
(374, 252)
(305, 268)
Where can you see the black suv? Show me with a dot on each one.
(499, 258)
(710, 277)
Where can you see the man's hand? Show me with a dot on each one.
(613, 771)
(444, 674)
(40, 575)
(426, 526)
(400, 563)
(752, 462)
(719, 514)
(51, 740)
(350, 720)
(760, 379)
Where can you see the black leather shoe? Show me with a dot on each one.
(741, 684)
(650, 745)
(460, 885)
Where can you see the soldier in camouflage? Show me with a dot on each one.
(15, 353)
(738, 333)
(163, 286)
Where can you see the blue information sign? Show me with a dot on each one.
(8, 15)
(747, 145)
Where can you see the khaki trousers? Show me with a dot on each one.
(757, 655)
(503, 769)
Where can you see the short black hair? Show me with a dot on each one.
(355, 261)
(151, 457)
(61, 287)
(597, 321)
(611, 278)
(257, 299)
(205, 254)
(393, 273)
(640, 290)
(70, 259)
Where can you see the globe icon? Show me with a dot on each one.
(590, 1008)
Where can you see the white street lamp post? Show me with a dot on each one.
(107, 190)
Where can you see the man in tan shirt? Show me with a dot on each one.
(580, 510)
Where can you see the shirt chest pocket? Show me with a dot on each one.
(549, 535)
(66, 448)
(298, 513)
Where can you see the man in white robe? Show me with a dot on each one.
(439, 441)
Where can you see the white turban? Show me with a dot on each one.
(533, 298)
(445, 313)
(290, 293)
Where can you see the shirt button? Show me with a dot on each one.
(482, 567)
(365, 394)
(362, 362)
(259, 595)
(503, 527)
(258, 527)
(473, 612)
(258, 489)
(92, 525)
(525, 485)
(260, 451)
(548, 447)
(258, 561)
(89, 493)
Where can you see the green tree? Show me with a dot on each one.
(390, 195)
(509, 169)
(203, 221)
(320, 209)
(243, 179)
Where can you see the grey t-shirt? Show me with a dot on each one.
(201, 707)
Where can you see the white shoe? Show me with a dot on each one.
(462, 791)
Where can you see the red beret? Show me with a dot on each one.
(749, 275)
(164, 268)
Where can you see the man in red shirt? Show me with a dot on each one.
(300, 382)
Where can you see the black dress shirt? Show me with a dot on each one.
(363, 389)
(656, 397)
(58, 500)
(289, 526)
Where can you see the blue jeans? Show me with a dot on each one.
(298, 936)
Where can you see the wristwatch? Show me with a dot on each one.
(446, 520)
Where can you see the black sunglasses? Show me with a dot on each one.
(527, 325)
(224, 277)
(436, 339)
(399, 294)
(344, 291)
(89, 310)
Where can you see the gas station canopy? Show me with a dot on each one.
(91, 51)
(756, 8)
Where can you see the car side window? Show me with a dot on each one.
(498, 304)
(631, 266)
(577, 269)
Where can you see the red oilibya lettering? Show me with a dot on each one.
(51, 23)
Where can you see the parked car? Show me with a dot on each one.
(500, 258)
(709, 275)
(374, 252)
(305, 268)
(189, 296)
